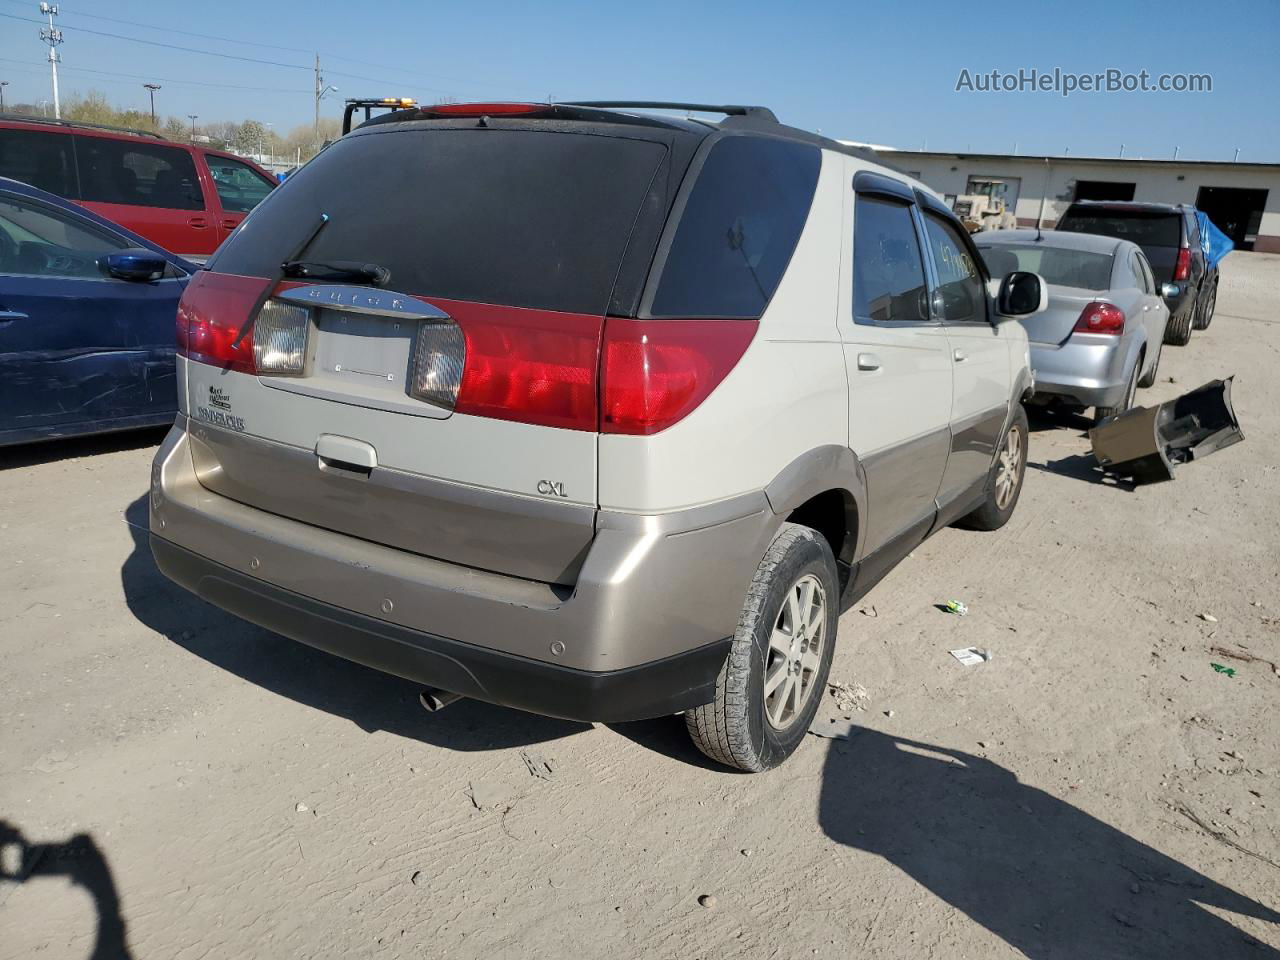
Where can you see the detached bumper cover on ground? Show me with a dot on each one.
(1146, 442)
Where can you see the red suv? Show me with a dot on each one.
(183, 197)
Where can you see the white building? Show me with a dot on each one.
(1242, 199)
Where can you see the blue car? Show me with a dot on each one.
(87, 313)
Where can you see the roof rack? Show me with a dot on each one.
(728, 109)
(23, 118)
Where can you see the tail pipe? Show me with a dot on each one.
(433, 700)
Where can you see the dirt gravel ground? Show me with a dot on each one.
(175, 783)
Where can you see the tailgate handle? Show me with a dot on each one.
(345, 455)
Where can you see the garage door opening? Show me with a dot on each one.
(1104, 190)
(1235, 211)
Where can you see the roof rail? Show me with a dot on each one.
(23, 118)
(729, 109)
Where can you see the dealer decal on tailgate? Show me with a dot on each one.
(218, 412)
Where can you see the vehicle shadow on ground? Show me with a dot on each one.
(51, 451)
(368, 698)
(1040, 418)
(1084, 466)
(1047, 878)
(80, 863)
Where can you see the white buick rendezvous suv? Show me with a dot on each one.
(587, 410)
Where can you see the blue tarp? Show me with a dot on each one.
(1216, 243)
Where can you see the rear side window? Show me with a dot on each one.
(1135, 271)
(138, 174)
(44, 160)
(888, 269)
(1145, 229)
(1193, 229)
(1148, 279)
(513, 217)
(738, 230)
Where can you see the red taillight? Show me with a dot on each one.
(213, 310)
(534, 366)
(485, 109)
(568, 370)
(1100, 317)
(655, 372)
(1183, 268)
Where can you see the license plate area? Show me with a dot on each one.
(361, 359)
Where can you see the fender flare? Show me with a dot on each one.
(829, 467)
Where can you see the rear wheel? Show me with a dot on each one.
(1206, 305)
(1178, 330)
(1130, 391)
(1004, 483)
(772, 681)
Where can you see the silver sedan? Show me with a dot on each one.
(1100, 338)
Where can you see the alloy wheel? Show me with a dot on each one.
(1007, 468)
(795, 652)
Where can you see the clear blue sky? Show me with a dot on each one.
(880, 72)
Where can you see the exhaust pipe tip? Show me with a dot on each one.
(434, 700)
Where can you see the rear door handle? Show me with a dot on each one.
(960, 356)
(198, 222)
(868, 361)
(229, 223)
(7, 315)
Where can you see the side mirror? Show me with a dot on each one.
(1170, 290)
(1022, 294)
(135, 264)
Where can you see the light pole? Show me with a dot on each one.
(320, 95)
(53, 37)
(192, 118)
(271, 145)
(3, 84)
(151, 89)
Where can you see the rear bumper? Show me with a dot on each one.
(1085, 373)
(642, 632)
(653, 689)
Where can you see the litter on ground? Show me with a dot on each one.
(972, 656)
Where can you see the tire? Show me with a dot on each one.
(1205, 305)
(743, 727)
(1130, 392)
(1002, 494)
(1149, 379)
(1178, 330)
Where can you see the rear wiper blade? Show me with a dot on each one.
(337, 271)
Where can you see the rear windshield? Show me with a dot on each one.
(1140, 227)
(1065, 268)
(514, 217)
